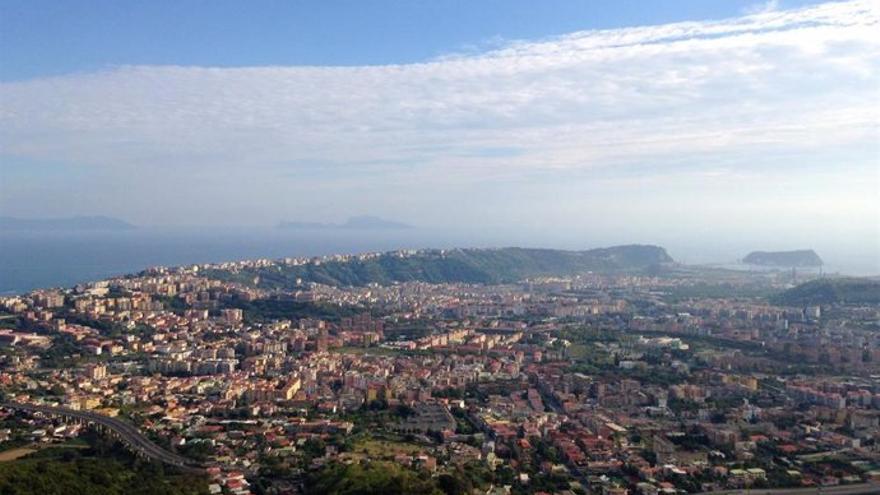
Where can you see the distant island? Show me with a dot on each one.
(63, 224)
(478, 266)
(365, 222)
(803, 258)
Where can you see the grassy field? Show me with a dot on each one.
(13, 454)
(24, 450)
(384, 449)
(578, 352)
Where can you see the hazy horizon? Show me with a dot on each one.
(751, 123)
(708, 248)
(30, 260)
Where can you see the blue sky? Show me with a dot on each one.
(41, 37)
(628, 121)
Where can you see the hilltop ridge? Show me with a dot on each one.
(498, 265)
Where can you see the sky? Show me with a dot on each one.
(624, 120)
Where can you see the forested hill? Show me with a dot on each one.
(455, 265)
(831, 291)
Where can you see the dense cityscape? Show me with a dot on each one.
(446, 247)
(665, 379)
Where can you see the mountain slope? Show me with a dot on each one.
(457, 265)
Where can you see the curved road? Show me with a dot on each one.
(127, 433)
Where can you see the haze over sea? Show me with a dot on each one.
(31, 260)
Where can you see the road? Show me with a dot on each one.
(127, 433)
(860, 489)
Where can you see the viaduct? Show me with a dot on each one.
(133, 439)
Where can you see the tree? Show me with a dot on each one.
(454, 484)
(370, 478)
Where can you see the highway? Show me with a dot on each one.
(860, 489)
(125, 432)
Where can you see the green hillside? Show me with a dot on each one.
(831, 291)
(93, 465)
(457, 265)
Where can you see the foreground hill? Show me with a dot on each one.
(92, 465)
(457, 265)
(831, 291)
(784, 259)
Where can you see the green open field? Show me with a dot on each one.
(377, 449)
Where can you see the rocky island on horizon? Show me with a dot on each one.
(801, 258)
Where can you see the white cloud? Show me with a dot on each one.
(762, 7)
(732, 91)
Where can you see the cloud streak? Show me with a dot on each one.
(731, 91)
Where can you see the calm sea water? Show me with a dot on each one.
(31, 260)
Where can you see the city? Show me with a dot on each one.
(440, 247)
(616, 382)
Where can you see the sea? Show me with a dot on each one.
(32, 260)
